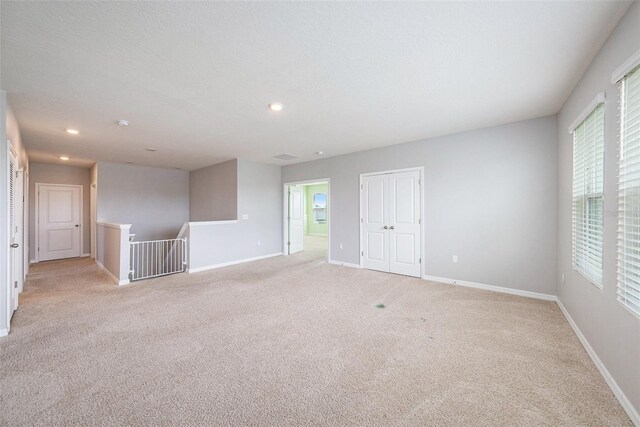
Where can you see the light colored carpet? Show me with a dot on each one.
(317, 245)
(290, 341)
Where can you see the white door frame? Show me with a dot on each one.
(93, 219)
(285, 212)
(422, 241)
(25, 224)
(37, 215)
(20, 223)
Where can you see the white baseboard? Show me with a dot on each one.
(33, 261)
(111, 276)
(4, 332)
(86, 255)
(226, 264)
(613, 385)
(528, 294)
(344, 264)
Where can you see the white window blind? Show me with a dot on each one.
(629, 193)
(588, 200)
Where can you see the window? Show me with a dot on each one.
(629, 192)
(320, 208)
(588, 200)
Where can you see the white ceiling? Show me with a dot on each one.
(194, 78)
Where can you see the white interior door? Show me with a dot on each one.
(404, 223)
(391, 218)
(375, 220)
(296, 219)
(59, 213)
(15, 260)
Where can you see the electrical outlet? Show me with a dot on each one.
(245, 216)
(454, 259)
(563, 279)
(341, 246)
(259, 243)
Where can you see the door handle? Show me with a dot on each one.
(77, 225)
(14, 245)
(392, 227)
(385, 227)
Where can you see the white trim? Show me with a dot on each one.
(3, 332)
(420, 169)
(85, 255)
(114, 225)
(344, 264)
(197, 223)
(111, 276)
(615, 388)
(285, 212)
(599, 99)
(625, 68)
(37, 213)
(393, 171)
(226, 264)
(493, 288)
(33, 261)
(314, 234)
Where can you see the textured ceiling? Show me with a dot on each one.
(194, 78)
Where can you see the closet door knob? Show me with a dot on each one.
(392, 227)
(385, 227)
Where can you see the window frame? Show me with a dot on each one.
(580, 256)
(623, 187)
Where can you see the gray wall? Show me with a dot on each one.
(260, 199)
(490, 198)
(42, 173)
(213, 192)
(612, 331)
(154, 200)
(112, 250)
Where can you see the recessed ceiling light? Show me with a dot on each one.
(151, 149)
(72, 131)
(276, 106)
(64, 157)
(319, 153)
(130, 161)
(123, 122)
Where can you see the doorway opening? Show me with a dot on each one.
(307, 217)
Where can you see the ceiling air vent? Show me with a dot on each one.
(285, 157)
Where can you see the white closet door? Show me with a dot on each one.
(404, 223)
(375, 220)
(296, 219)
(59, 214)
